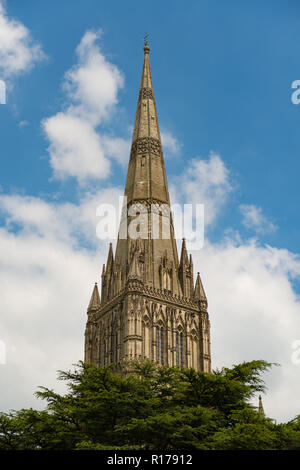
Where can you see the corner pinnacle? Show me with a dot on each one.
(260, 406)
(95, 299)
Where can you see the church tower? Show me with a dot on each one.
(149, 305)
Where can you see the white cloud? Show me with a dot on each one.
(204, 182)
(254, 313)
(93, 83)
(45, 287)
(50, 258)
(170, 143)
(117, 148)
(74, 224)
(253, 218)
(18, 51)
(23, 124)
(76, 147)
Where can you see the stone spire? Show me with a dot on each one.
(184, 261)
(95, 303)
(260, 406)
(146, 173)
(199, 293)
(185, 272)
(107, 275)
(110, 259)
(146, 185)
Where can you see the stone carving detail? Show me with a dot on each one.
(166, 273)
(145, 145)
(146, 94)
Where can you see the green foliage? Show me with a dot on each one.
(150, 407)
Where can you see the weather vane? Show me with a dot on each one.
(146, 39)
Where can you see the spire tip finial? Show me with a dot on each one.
(146, 44)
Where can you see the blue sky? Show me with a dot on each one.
(222, 74)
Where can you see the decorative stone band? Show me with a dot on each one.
(144, 145)
(131, 337)
(134, 286)
(149, 205)
(146, 94)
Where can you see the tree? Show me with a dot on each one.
(146, 406)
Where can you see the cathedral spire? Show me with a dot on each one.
(146, 176)
(150, 307)
(147, 185)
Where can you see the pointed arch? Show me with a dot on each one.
(117, 346)
(160, 342)
(194, 349)
(146, 337)
(180, 349)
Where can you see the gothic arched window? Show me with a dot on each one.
(160, 344)
(117, 347)
(146, 338)
(188, 286)
(164, 283)
(105, 352)
(170, 283)
(179, 348)
(194, 351)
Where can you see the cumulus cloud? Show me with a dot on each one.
(23, 124)
(50, 258)
(254, 313)
(18, 50)
(170, 143)
(253, 218)
(66, 222)
(76, 147)
(93, 83)
(45, 287)
(204, 182)
(117, 148)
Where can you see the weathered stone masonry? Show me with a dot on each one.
(149, 306)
